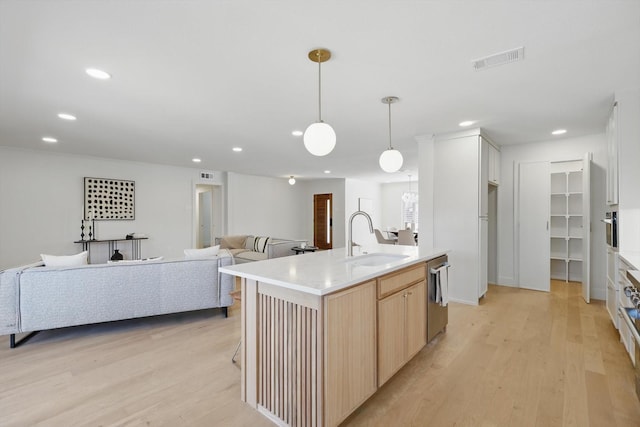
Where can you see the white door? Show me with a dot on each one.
(533, 226)
(586, 226)
(205, 204)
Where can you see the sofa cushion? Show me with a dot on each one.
(201, 253)
(251, 256)
(235, 252)
(260, 244)
(64, 260)
(232, 242)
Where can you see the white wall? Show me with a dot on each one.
(426, 185)
(391, 204)
(41, 198)
(265, 206)
(555, 150)
(355, 189)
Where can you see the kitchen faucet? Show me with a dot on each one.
(353, 215)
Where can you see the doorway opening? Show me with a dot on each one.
(323, 221)
(207, 213)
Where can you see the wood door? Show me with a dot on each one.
(416, 315)
(391, 335)
(533, 226)
(323, 221)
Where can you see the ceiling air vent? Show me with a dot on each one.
(512, 55)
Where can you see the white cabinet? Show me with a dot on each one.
(626, 336)
(494, 165)
(460, 209)
(612, 286)
(612, 157)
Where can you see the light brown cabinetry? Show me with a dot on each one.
(350, 337)
(402, 320)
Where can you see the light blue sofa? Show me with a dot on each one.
(36, 298)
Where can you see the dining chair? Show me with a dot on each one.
(405, 237)
(380, 238)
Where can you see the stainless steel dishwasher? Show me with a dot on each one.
(437, 311)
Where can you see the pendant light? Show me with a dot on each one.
(391, 159)
(319, 138)
(292, 180)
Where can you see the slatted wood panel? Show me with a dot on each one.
(289, 361)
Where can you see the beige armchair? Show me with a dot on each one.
(405, 237)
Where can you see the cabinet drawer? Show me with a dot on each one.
(401, 279)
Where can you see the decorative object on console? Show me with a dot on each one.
(117, 256)
(319, 138)
(64, 260)
(391, 159)
(108, 199)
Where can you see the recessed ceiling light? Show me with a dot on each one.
(466, 123)
(65, 116)
(98, 74)
(559, 132)
(327, 171)
(237, 149)
(49, 139)
(196, 160)
(297, 133)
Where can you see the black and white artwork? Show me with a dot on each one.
(109, 199)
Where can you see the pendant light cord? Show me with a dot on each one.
(319, 91)
(390, 147)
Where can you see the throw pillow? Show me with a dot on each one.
(250, 243)
(232, 242)
(64, 260)
(260, 244)
(201, 253)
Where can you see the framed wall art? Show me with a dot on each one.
(109, 199)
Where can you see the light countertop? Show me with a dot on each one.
(325, 272)
(632, 258)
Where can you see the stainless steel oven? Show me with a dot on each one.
(611, 227)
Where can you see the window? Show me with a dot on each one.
(410, 210)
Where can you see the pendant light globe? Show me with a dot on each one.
(319, 139)
(391, 160)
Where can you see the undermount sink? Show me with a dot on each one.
(375, 259)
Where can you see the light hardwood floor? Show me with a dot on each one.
(521, 358)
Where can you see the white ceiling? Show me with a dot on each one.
(196, 78)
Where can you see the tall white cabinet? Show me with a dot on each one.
(461, 209)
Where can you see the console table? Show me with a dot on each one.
(135, 245)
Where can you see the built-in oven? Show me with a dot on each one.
(611, 227)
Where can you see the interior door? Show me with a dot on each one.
(323, 221)
(586, 226)
(205, 205)
(534, 183)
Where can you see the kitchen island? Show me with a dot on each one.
(323, 331)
